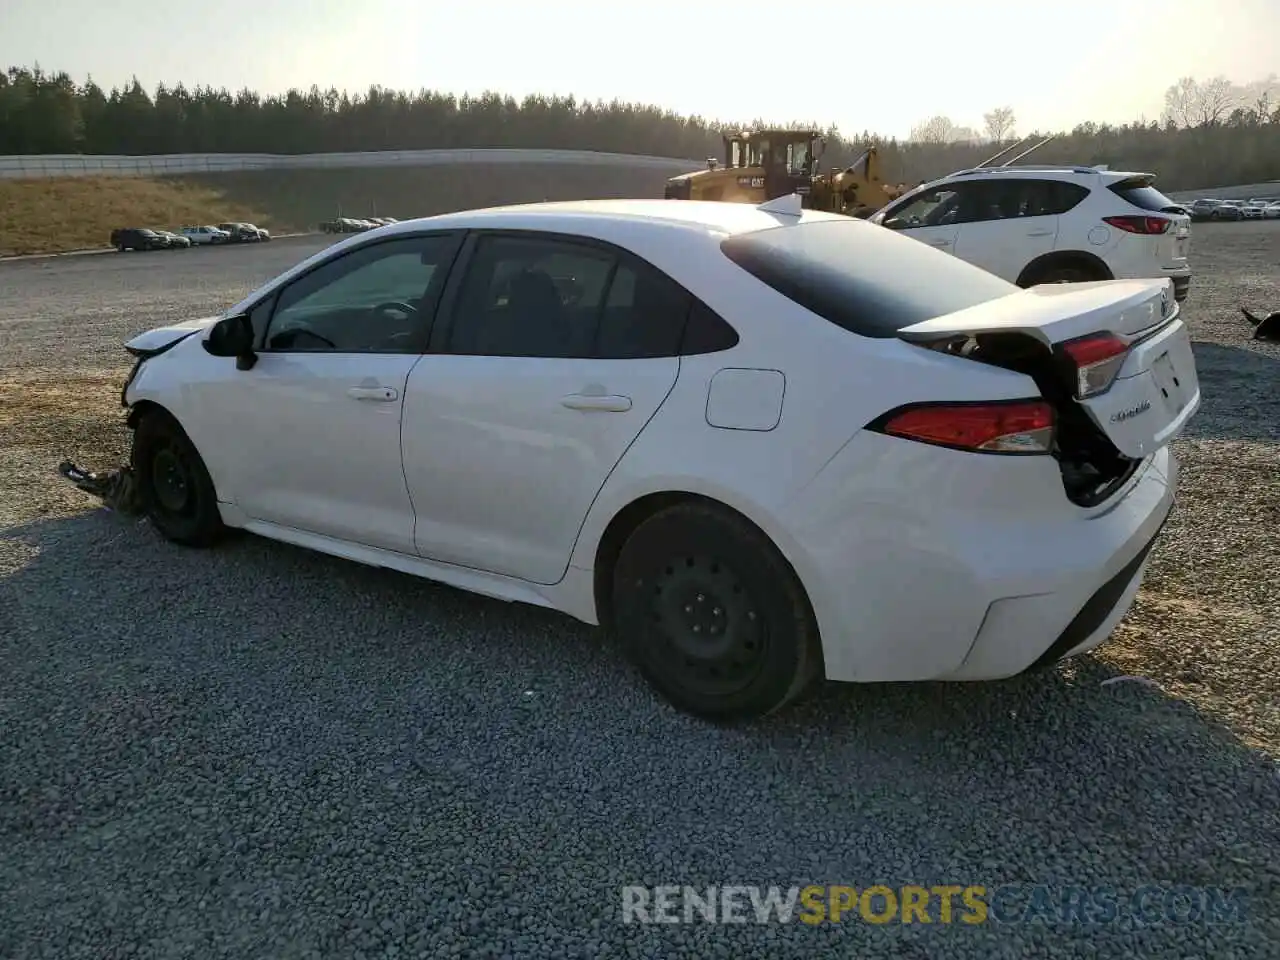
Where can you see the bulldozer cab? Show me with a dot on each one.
(773, 163)
(759, 165)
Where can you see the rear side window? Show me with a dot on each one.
(1142, 194)
(867, 279)
(644, 315)
(1059, 196)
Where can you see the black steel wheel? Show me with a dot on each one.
(712, 615)
(176, 489)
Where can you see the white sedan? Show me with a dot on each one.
(763, 445)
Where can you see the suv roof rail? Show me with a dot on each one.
(1073, 167)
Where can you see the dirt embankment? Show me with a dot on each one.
(78, 213)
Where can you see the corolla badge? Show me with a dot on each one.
(1123, 415)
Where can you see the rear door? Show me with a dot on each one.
(554, 354)
(1156, 390)
(1008, 222)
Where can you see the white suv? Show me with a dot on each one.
(1050, 224)
(203, 235)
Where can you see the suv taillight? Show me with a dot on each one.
(1001, 426)
(1147, 226)
(1095, 360)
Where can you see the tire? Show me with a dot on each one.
(177, 492)
(693, 572)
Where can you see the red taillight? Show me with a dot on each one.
(1015, 426)
(1096, 359)
(1147, 226)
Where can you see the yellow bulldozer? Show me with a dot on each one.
(761, 165)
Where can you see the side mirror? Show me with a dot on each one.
(233, 337)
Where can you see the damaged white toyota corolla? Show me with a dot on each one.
(764, 445)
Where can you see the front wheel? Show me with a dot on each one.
(176, 490)
(712, 615)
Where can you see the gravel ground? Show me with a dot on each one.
(260, 752)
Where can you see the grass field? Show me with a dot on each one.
(75, 213)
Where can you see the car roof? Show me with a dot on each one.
(572, 216)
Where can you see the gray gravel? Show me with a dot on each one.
(260, 752)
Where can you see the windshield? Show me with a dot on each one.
(798, 157)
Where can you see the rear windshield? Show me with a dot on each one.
(1141, 194)
(862, 277)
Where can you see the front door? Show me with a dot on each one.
(932, 218)
(553, 357)
(312, 431)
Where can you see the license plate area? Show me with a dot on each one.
(1173, 388)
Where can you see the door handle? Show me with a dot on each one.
(939, 243)
(1040, 233)
(597, 402)
(379, 394)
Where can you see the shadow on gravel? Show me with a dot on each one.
(257, 750)
(1240, 393)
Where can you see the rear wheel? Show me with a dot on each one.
(712, 615)
(176, 489)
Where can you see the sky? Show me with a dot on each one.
(887, 66)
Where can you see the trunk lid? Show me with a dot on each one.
(1156, 389)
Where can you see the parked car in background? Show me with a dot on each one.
(355, 224)
(263, 234)
(1272, 210)
(240, 232)
(205, 235)
(175, 241)
(1203, 208)
(1033, 225)
(765, 445)
(137, 238)
(1227, 210)
(1253, 209)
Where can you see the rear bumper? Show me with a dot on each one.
(999, 576)
(1030, 633)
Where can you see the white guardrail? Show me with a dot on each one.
(76, 165)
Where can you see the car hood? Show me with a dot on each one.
(160, 339)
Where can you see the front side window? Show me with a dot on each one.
(376, 299)
(934, 208)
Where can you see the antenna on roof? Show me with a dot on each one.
(790, 205)
(1008, 149)
(1029, 150)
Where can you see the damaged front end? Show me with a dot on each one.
(119, 489)
(160, 340)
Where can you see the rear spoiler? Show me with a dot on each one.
(1135, 181)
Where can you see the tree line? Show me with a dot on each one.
(1211, 134)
